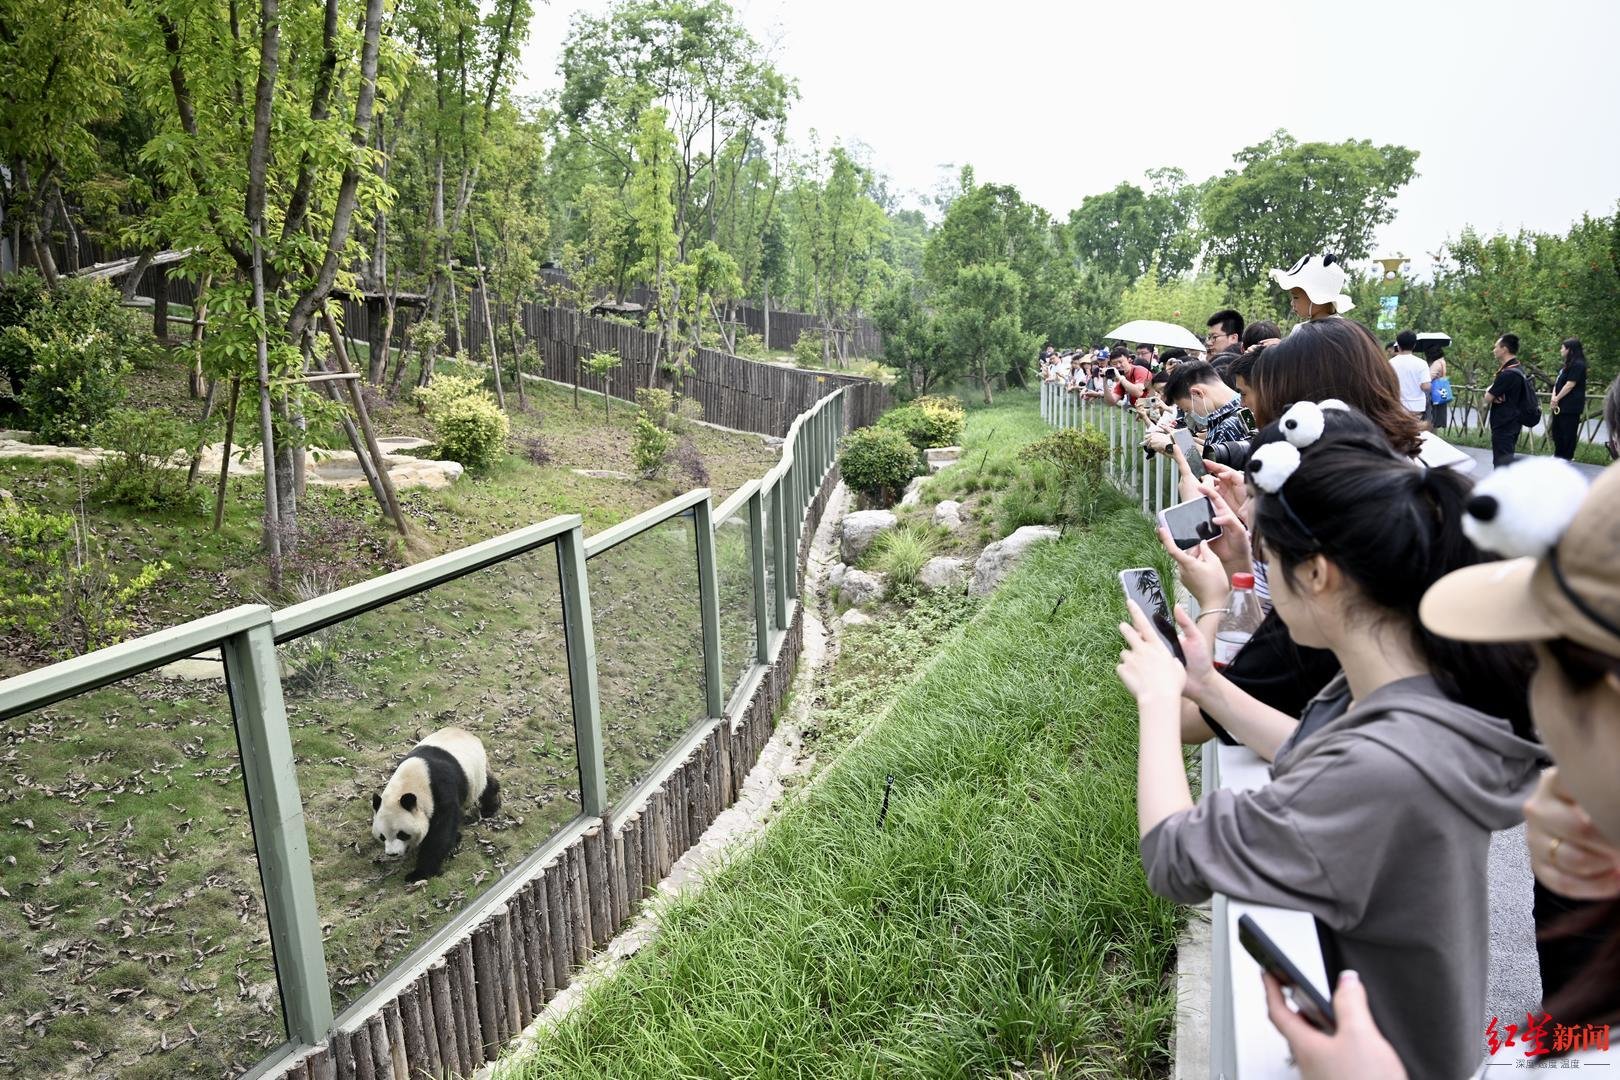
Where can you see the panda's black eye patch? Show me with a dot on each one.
(404, 836)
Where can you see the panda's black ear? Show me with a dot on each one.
(376, 801)
(408, 800)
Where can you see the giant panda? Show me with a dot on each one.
(420, 808)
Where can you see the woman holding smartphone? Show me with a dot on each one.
(1384, 797)
(1566, 601)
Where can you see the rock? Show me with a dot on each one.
(395, 444)
(1000, 557)
(835, 577)
(861, 528)
(949, 514)
(860, 587)
(80, 455)
(942, 457)
(943, 572)
(853, 617)
(603, 474)
(913, 493)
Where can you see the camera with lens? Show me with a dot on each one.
(1234, 454)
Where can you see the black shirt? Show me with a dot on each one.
(1572, 372)
(1273, 670)
(1512, 391)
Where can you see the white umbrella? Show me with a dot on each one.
(1435, 338)
(1154, 332)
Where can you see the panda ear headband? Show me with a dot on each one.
(1523, 510)
(1271, 465)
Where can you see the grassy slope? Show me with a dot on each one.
(997, 924)
(132, 794)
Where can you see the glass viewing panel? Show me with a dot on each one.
(133, 935)
(484, 653)
(649, 648)
(734, 566)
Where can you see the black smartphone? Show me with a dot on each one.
(1142, 587)
(1190, 523)
(1248, 419)
(1195, 460)
(1305, 998)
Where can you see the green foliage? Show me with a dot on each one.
(808, 350)
(911, 336)
(1076, 457)
(1288, 199)
(75, 381)
(447, 386)
(58, 588)
(981, 323)
(928, 422)
(649, 445)
(1187, 302)
(21, 295)
(877, 462)
(472, 430)
(657, 403)
(902, 552)
(141, 472)
(1127, 231)
(752, 347)
(603, 365)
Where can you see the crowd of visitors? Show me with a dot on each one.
(1434, 660)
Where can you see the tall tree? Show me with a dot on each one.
(1126, 230)
(980, 323)
(1288, 199)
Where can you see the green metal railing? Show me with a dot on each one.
(775, 506)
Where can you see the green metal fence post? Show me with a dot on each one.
(581, 637)
(277, 813)
(762, 598)
(714, 689)
(779, 551)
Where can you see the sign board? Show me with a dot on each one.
(1386, 314)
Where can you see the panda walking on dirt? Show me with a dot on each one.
(420, 808)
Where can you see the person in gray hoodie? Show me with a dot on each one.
(1379, 814)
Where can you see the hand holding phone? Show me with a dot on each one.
(1191, 523)
(1142, 587)
(1306, 999)
(1189, 450)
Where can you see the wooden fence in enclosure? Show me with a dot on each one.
(748, 395)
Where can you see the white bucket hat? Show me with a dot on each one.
(1321, 277)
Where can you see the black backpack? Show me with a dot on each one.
(1531, 413)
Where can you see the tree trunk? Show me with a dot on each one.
(984, 380)
(132, 280)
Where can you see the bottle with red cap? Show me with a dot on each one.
(1240, 622)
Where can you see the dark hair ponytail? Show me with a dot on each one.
(1394, 528)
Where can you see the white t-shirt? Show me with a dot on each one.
(1413, 371)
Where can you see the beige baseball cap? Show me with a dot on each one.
(1573, 591)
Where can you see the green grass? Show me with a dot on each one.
(132, 794)
(901, 553)
(998, 923)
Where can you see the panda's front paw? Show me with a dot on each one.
(417, 876)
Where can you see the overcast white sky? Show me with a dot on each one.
(1514, 107)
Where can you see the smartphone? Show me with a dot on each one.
(1142, 587)
(1190, 523)
(1305, 998)
(1248, 419)
(1189, 450)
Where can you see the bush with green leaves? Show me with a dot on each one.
(807, 350)
(900, 554)
(1073, 461)
(752, 347)
(57, 587)
(928, 422)
(75, 382)
(21, 295)
(142, 471)
(472, 430)
(445, 387)
(649, 445)
(878, 462)
(657, 403)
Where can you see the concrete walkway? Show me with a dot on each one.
(1484, 468)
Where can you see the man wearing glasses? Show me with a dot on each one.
(1225, 333)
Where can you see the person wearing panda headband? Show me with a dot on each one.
(1558, 590)
(1383, 799)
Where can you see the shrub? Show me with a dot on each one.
(902, 553)
(657, 403)
(928, 422)
(807, 349)
(1074, 459)
(58, 588)
(141, 471)
(877, 462)
(686, 409)
(74, 384)
(472, 430)
(649, 445)
(445, 387)
(752, 347)
(21, 295)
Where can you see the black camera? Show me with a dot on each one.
(1110, 373)
(1234, 454)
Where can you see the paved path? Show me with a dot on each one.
(1484, 468)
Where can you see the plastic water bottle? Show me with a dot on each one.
(1239, 624)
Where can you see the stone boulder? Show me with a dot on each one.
(942, 457)
(835, 577)
(860, 587)
(852, 617)
(943, 573)
(1000, 557)
(949, 514)
(861, 528)
(913, 494)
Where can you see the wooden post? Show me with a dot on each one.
(562, 937)
(398, 1041)
(413, 1032)
(343, 1055)
(365, 1066)
(542, 929)
(635, 875)
(534, 963)
(596, 883)
(580, 908)
(486, 962)
(358, 401)
(382, 1059)
(472, 1042)
(444, 1016)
